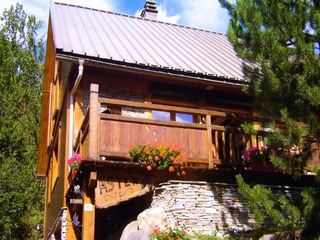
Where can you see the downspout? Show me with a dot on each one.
(71, 105)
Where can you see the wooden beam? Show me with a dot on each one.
(172, 108)
(92, 180)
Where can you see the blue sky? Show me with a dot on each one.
(204, 14)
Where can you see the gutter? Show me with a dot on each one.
(71, 106)
(206, 78)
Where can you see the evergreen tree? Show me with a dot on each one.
(279, 43)
(21, 71)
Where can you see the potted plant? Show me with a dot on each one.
(74, 163)
(259, 158)
(159, 156)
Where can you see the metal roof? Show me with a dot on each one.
(132, 40)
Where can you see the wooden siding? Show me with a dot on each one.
(119, 132)
(45, 99)
(58, 171)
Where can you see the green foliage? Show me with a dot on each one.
(21, 70)
(170, 234)
(266, 206)
(213, 236)
(279, 42)
(180, 234)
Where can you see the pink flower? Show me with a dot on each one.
(149, 168)
(75, 160)
(156, 158)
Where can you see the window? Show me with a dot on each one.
(160, 115)
(167, 116)
(182, 117)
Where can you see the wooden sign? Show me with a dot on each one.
(113, 190)
(76, 201)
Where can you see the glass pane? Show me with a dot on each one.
(182, 117)
(160, 115)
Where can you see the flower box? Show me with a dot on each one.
(72, 174)
(159, 156)
(263, 166)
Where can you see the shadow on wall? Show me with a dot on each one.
(111, 222)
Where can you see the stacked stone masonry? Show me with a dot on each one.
(203, 207)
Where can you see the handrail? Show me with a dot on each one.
(168, 123)
(194, 111)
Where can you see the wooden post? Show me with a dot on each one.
(209, 141)
(94, 121)
(254, 138)
(223, 135)
(216, 138)
(88, 211)
(231, 147)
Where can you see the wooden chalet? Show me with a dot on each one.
(112, 80)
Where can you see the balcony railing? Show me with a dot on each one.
(104, 135)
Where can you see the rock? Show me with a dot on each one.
(153, 218)
(129, 230)
(138, 235)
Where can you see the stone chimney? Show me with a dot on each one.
(150, 10)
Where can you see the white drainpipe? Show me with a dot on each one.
(71, 106)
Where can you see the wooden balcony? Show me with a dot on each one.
(107, 136)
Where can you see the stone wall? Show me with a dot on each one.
(209, 207)
(203, 207)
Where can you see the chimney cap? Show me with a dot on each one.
(150, 10)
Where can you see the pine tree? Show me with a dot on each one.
(21, 70)
(279, 43)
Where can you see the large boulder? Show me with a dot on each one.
(131, 232)
(147, 221)
(153, 218)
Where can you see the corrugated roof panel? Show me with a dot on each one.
(179, 51)
(158, 41)
(109, 35)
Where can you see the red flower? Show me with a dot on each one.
(162, 153)
(183, 173)
(165, 234)
(171, 169)
(128, 156)
(156, 230)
